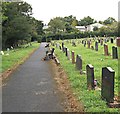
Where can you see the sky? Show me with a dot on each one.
(97, 9)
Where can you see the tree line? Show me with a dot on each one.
(18, 25)
(64, 28)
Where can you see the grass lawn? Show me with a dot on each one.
(16, 57)
(91, 99)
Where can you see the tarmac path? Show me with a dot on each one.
(31, 88)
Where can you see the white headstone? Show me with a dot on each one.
(2, 53)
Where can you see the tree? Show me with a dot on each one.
(109, 20)
(86, 21)
(18, 23)
(95, 28)
(56, 25)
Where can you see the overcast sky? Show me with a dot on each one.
(98, 9)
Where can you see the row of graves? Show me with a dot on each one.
(7, 52)
(108, 74)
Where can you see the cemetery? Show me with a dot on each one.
(61, 59)
(93, 73)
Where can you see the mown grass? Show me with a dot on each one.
(16, 56)
(91, 99)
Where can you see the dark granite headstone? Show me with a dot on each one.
(96, 46)
(112, 40)
(78, 62)
(90, 76)
(114, 52)
(107, 86)
(66, 51)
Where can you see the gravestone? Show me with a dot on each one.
(68, 54)
(112, 40)
(73, 57)
(92, 47)
(79, 62)
(2, 53)
(106, 50)
(66, 51)
(63, 46)
(101, 42)
(88, 42)
(90, 76)
(84, 43)
(105, 40)
(114, 52)
(60, 47)
(107, 86)
(96, 46)
(118, 41)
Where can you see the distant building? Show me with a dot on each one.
(91, 27)
(45, 27)
(81, 28)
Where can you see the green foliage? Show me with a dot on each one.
(109, 20)
(56, 25)
(95, 28)
(18, 24)
(16, 56)
(86, 21)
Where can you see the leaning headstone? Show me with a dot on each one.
(114, 52)
(60, 47)
(2, 53)
(79, 62)
(73, 57)
(90, 77)
(96, 46)
(107, 86)
(106, 50)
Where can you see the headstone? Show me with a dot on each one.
(63, 46)
(92, 47)
(114, 52)
(66, 51)
(2, 52)
(107, 86)
(90, 76)
(73, 57)
(101, 42)
(98, 40)
(88, 42)
(84, 43)
(118, 42)
(68, 54)
(60, 47)
(106, 50)
(112, 40)
(96, 46)
(79, 62)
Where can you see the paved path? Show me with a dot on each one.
(31, 87)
